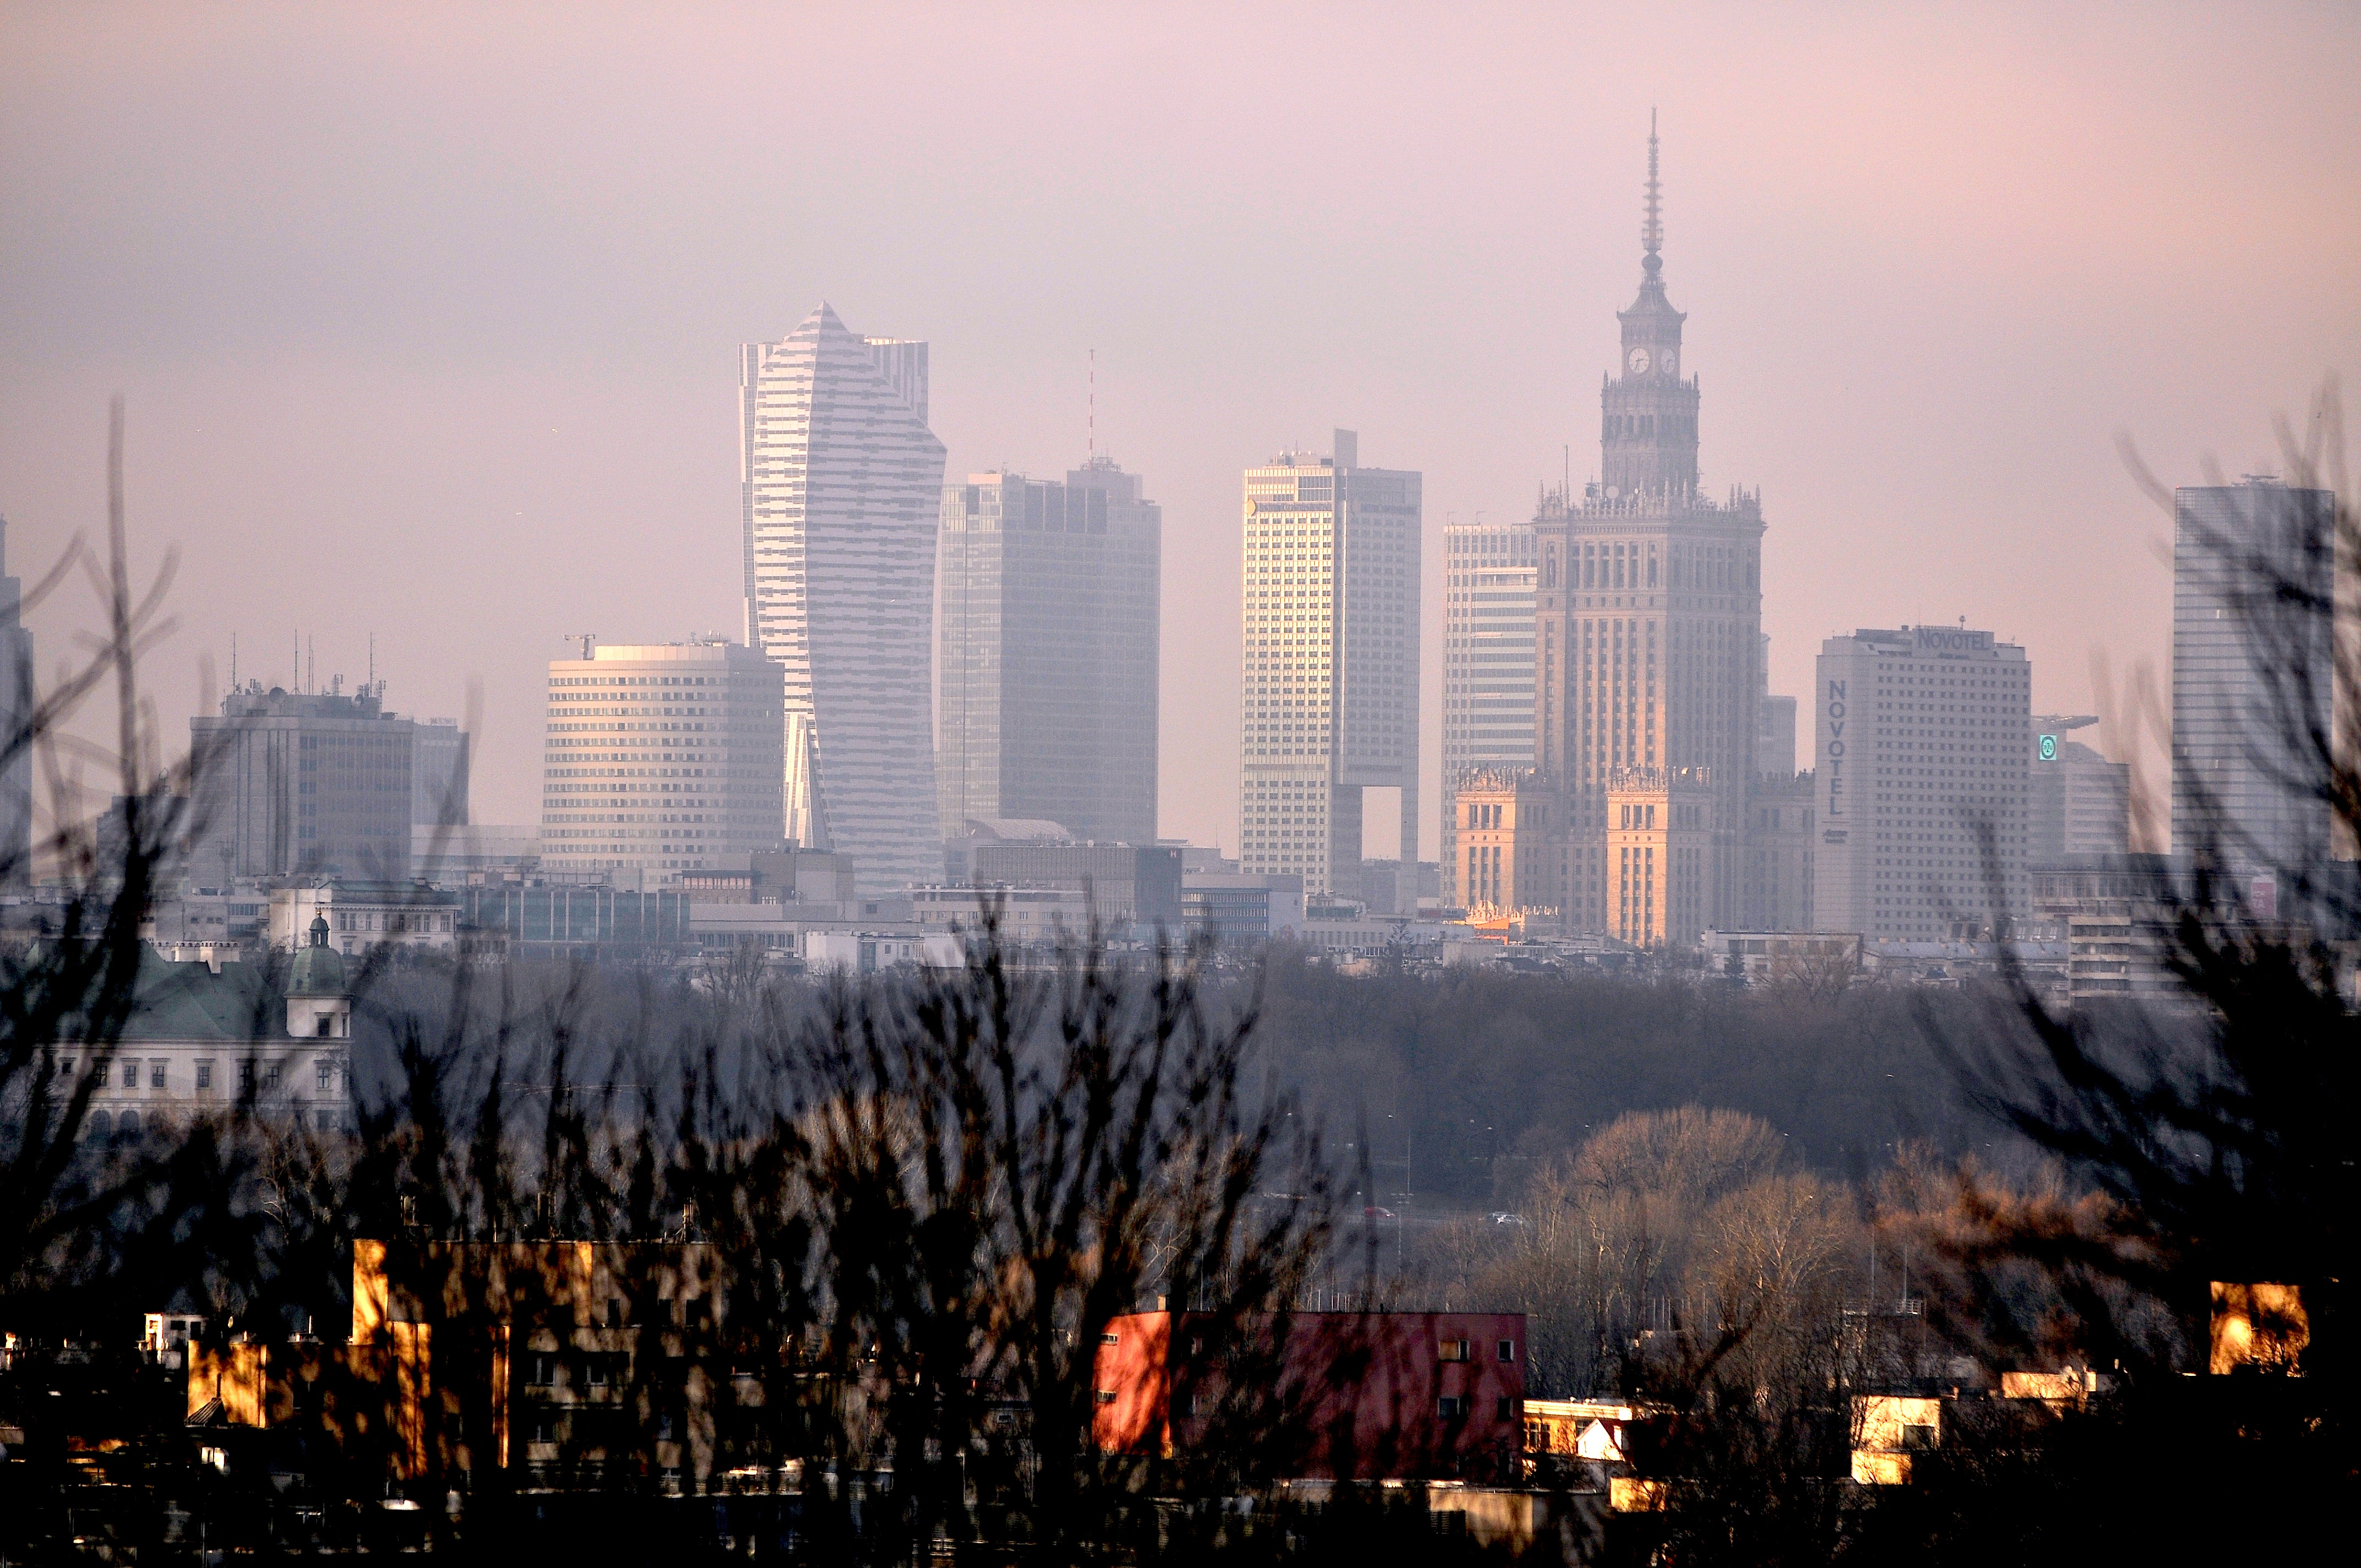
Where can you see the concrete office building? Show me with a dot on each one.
(1774, 725)
(1487, 666)
(301, 783)
(1330, 664)
(661, 758)
(1047, 673)
(438, 773)
(843, 481)
(1923, 739)
(2253, 671)
(1650, 608)
(2079, 802)
(17, 699)
(1125, 883)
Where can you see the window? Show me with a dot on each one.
(541, 1373)
(245, 1076)
(1451, 1350)
(1105, 1396)
(1504, 1407)
(1918, 1440)
(204, 1075)
(1110, 1339)
(327, 1073)
(271, 1075)
(1508, 1350)
(155, 1075)
(1451, 1406)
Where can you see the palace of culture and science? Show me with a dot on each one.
(1647, 656)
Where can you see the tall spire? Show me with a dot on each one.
(1652, 232)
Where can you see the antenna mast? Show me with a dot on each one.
(1652, 232)
(1093, 428)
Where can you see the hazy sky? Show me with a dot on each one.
(428, 316)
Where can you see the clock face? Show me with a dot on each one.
(1665, 362)
(1638, 362)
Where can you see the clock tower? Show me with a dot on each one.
(1648, 434)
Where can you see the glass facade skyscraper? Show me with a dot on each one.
(1047, 677)
(1488, 666)
(841, 483)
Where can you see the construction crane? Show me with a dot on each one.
(586, 638)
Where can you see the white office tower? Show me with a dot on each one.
(1330, 666)
(1048, 677)
(1488, 664)
(661, 758)
(842, 480)
(2080, 803)
(2252, 674)
(1920, 789)
(17, 706)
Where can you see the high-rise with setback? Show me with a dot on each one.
(1047, 673)
(1649, 617)
(1329, 704)
(17, 707)
(843, 481)
(1487, 668)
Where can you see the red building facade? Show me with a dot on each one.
(1359, 1396)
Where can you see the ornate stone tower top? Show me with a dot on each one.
(1647, 438)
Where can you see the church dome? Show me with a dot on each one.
(319, 967)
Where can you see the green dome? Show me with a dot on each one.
(319, 967)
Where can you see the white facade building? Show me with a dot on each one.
(842, 484)
(1489, 573)
(1920, 793)
(1330, 666)
(663, 757)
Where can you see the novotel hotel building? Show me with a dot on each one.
(1922, 794)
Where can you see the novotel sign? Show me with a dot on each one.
(1939, 639)
(1834, 812)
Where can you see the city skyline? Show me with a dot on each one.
(560, 411)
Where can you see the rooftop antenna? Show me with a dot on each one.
(311, 663)
(233, 661)
(1093, 428)
(373, 661)
(587, 640)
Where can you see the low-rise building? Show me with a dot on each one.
(1822, 960)
(206, 1040)
(1429, 1396)
(363, 917)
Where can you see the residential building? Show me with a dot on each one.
(1428, 1396)
(1330, 663)
(1048, 670)
(661, 758)
(16, 703)
(2079, 802)
(1778, 851)
(290, 784)
(1649, 616)
(438, 773)
(203, 1039)
(2253, 676)
(510, 1359)
(843, 481)
(1924, 736)
(1488, 664)
(1505, 822)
